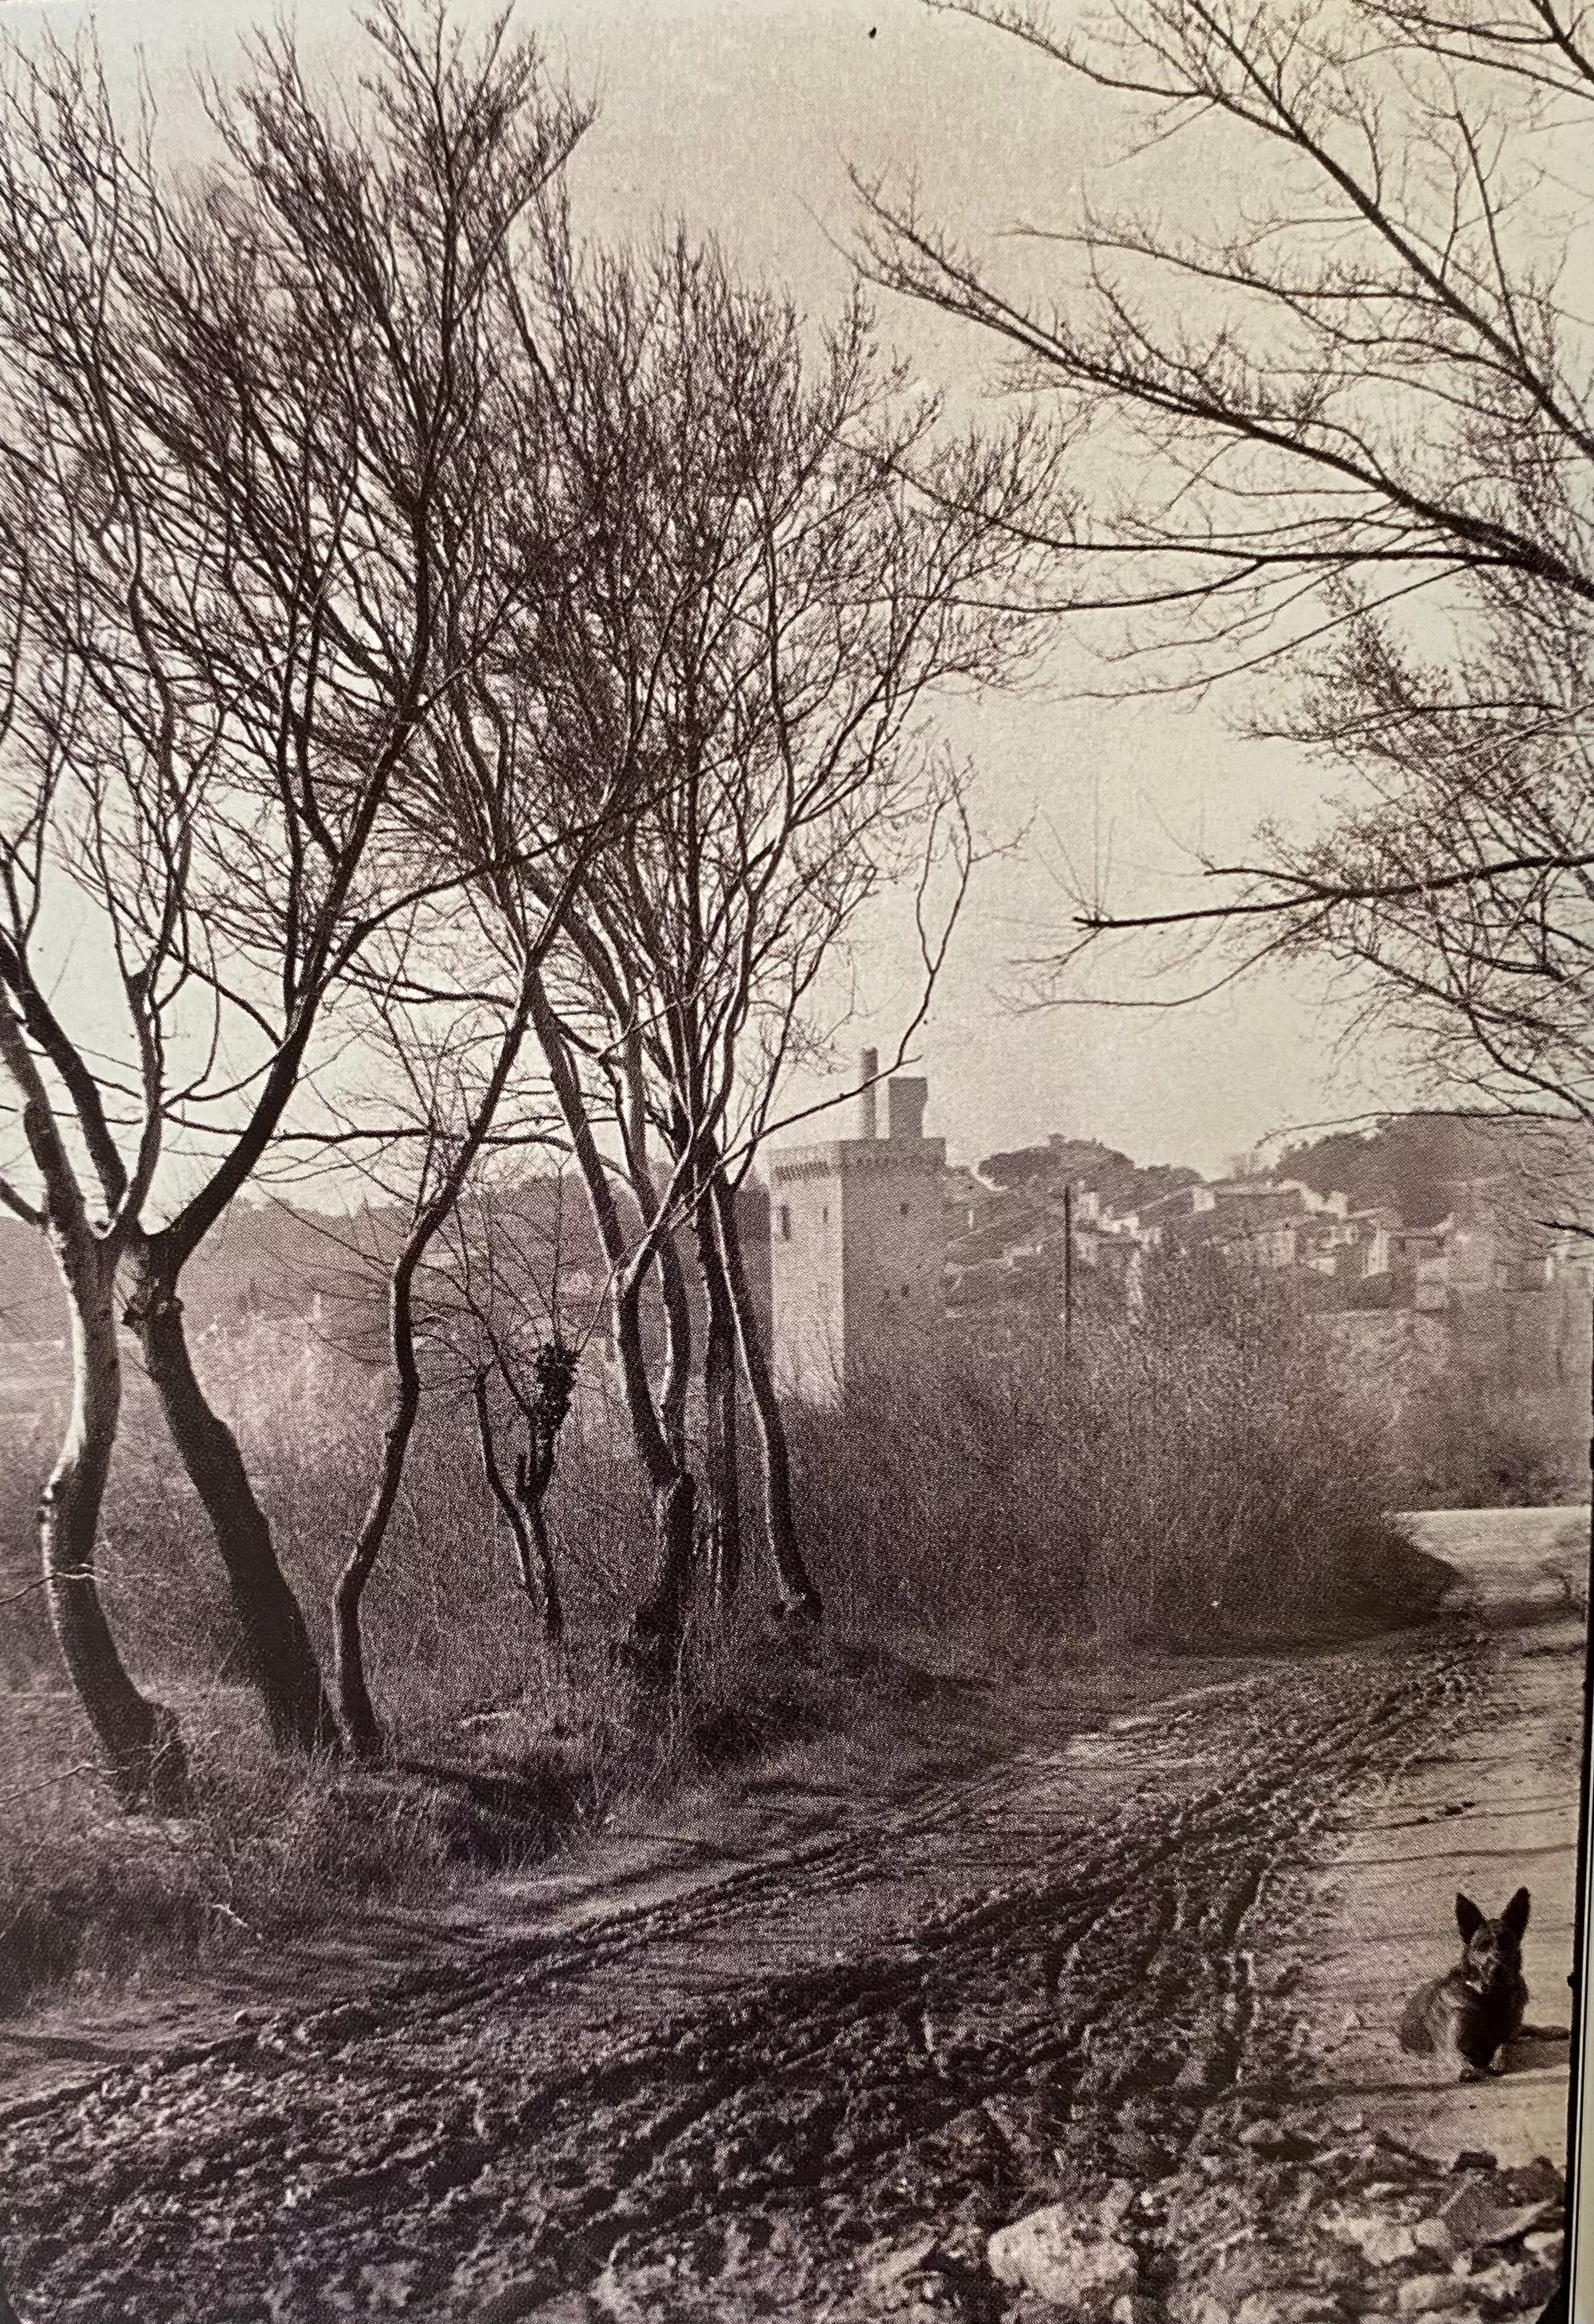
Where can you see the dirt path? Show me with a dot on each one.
(1342, 2178)
(763, 2097)
(1485, 1810)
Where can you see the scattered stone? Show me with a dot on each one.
(1521, 2285)
(1134, 2308)
(1079, 2270)
(1420, 2295)
(1390, 2242)
(1244, 2278)
(894, 2267)
(1382, 2243)
(1277, 2141)
(342, 2024)
(1434, 2235)
(1117, 2204)
(1475, 2158)
(1546, 2243)
(1343, 2166)
(1136, 2153)
(1289, 2306)
(1537, 2181)
(1203, 2308)
(1477, 2215)
(1393, 2144)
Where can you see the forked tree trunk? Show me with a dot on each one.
(718, 1392)
(361, 1727)
(280, 1659)
(798, 1597)
(523, 1512)
(145, 1763)
(658, 1625)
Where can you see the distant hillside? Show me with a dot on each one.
(263, 1259)
(1085, 1163)
(270, 1259)
(1414, 1162)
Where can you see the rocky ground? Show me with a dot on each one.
(1068, 1986)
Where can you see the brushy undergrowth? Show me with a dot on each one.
(1192, 1475)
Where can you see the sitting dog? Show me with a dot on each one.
(1468, 2016)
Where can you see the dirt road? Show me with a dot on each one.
(804, 2086)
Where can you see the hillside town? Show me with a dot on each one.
(860, 1248)
(873, 1241)
(1010, 1223)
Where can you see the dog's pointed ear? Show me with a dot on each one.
(1469, 1918)
(1514, 1919)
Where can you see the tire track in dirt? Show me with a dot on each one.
(719, 2108)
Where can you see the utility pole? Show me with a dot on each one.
(1068, 1269)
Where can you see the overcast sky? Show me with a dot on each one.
(740, 118)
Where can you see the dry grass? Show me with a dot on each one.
(275, 1850)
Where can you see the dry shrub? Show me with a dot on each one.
(273, 1845)
(1470, 1443)
(1191, 1472)
(449, 1630)
(27, 1650)
(502, 1748)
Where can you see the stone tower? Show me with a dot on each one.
(857, 1244)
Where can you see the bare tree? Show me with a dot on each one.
(250, 421)
(773, 605)
(1453, 876)
(1369, 371)
(509, 1322)
(522, 824)
(1341, 438)
(89, 1187)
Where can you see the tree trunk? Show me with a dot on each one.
(523, 1513)
(658, 1626)
(143, 1754)
(798, 1597)
(361, 1727)
(361, 1731)
(280, 1658)
(719, 1390)
(553, 1604)
(676, 1385)
(659, 1623)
